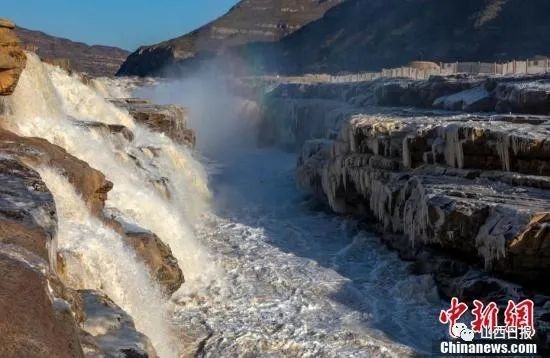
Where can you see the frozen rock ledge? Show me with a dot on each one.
(466, 197)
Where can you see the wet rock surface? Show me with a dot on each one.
(90, 183)
(464, 196)
(151, 250)
(36, 318)
(41, 316)
(27, 210)
(109, 331)
(168, 119)
(53, 319)
(12, 58)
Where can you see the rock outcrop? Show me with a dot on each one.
(246, 22)
(156, 255)
(425, 174)
(90, 183)
(529, 94)
(93, 187)
(39, 314)
(467, 197)
(109, 331)
(12, 58)
(168, 119)
(43, 315)
(94, 60)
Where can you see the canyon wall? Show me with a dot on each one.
(300, 37)
(466, 197)
(246, 22)
(368, 35)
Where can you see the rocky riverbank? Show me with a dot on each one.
(464, 196)
(44, 314)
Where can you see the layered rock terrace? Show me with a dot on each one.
(465, 196)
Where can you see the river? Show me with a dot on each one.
(268, 271)
(299, 281)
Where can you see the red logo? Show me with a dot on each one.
(518, 320)
(453, 314)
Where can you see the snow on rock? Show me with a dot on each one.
(473, 99)
(469, 184)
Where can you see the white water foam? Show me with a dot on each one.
(297, 282)
(300, 282)
(50, 104)
(96, 258)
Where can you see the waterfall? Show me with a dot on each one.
(48, 103)
(51, 104)
(97, 258)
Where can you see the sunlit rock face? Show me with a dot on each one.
(248, 21)
(171, 120)
(12, 58)
(90, 183)
(150, 250)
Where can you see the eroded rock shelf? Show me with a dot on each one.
(465, 196)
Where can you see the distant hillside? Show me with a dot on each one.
(248, 21)
(94, 60)
(361, 35)
(371, 34)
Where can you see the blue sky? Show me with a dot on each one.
(123, 23)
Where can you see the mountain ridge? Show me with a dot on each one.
(246, 22)
(95, 60)
(367, 35)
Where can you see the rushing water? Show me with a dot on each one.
(96, 258)
(50, 104)
(297, 281)
(266, 272)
